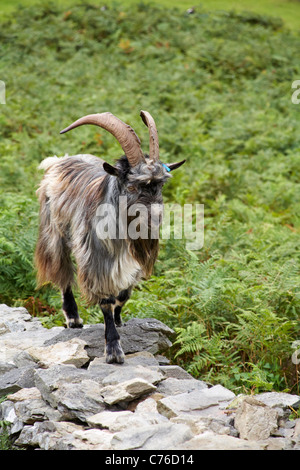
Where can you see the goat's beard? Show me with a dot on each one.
(145, 251)
(144, 248)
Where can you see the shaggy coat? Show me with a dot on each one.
(72, 191)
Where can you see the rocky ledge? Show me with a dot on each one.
(58, 393)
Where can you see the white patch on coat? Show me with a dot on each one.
(126, 271)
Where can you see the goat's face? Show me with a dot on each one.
(142, 186)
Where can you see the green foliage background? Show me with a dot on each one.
(219, 87)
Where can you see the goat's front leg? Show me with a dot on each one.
(70, 309)
(120, 301)
(113, 348)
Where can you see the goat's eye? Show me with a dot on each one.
(131, 189)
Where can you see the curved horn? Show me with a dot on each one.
(153, 144)
(125, 135)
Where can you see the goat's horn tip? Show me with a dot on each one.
(142, 114)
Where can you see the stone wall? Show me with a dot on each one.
(61, 394)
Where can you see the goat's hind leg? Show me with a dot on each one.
(113, 348)
(70, 309)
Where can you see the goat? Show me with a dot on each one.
(71, 191)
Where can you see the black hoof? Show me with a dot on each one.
(74, 323)
(114, 352)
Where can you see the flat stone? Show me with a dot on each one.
(199, 425)
(172, 386)
(146, 334)
(32, 410)
(279, 399)
(25, 394)
(16, 321)
(172, 406)
(68, 352)
(51, 379)
(175, 372)
(48, 435)
(211, 441)
(112, 420)
(92, 439)
(277, 443)
(149, 374)
(6, 367)
(14, 318)
(158, 436)
(11, 345)
(15, 379)
(92, 335)
(78, 400)
(126, 391)
(141, 358)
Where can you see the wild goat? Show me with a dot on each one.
(70, 194)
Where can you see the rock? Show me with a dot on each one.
(148, 412)
(8, 415)
(72, 391)
(58, 378)
(279, 400)
(199, 424)
(211, 441)
(48, 435)
(15, 322)
(176, 372)
(145, 334)
(30, 411)
(126, 391)
(6, 367)
(149, 374)
(142, 358)
(68, 352)
(162, 360)
(157, 436)
(15, 319)
(254, 420)
(145, 413)
(99, 368)
(296, 434)
(25, 394)
(50, 380)
(277, 443)
(172, 386)
(92, 439)
(92, 335)
(193, 401)
(78, 400)
(136, 335)
(16, 379)
(114, 421)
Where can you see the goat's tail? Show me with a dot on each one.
(47, 162)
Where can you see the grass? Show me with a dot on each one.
(219, 87)
(288, 10)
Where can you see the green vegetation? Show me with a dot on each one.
(219, 87)
(288, 10)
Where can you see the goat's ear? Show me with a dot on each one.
(111, 170)
(173, 166)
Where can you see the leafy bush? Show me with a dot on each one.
(219, 87)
